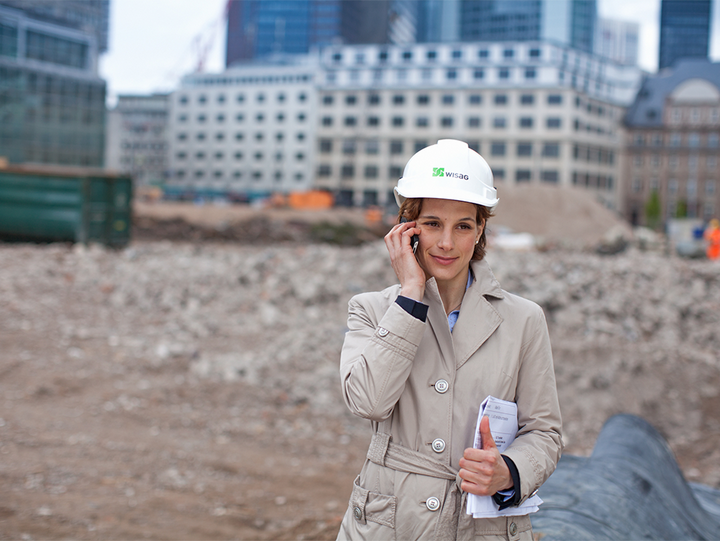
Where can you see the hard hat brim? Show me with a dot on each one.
(450, 194)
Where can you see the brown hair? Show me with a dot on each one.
(411, 208)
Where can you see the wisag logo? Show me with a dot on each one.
(440, 172)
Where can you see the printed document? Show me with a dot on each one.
(503, 426)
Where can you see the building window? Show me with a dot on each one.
(523, 175)
(183, 100)
(524, 149)
(201, 118)
(326, 146)
(396, 147)
(351, 99)
(479, 73)
(431, 55)
(534, 53)
(530, 73)
(526, 122)
(347, 171)
(239, 136)
(709, 187)
(200, 136)
(451, 74)
(407, 55)
(348, 146)
(675, 139)
(656, 140)
(372, 147)
(238, 155)
(422, 122)
(554, 123)
(327, 100)
(499, 122)
(302, 97)
(497, 148)
(398, 99)
(398, 121)
(713, 140)
(483, 53)
(475, 99)
(395, 171)
(280, 117)
(554, 99)
(202, 99)
(500, 99)
(260, 97)
(259, 118)
(527, 99)
(371, 171)
(423, 99)
(474, 122)
(549, 176)
(373, 121)
(457, 53)
(350, 121)
(446, 122)
(448, 99)
(373, 99)
(219, 136)
(551, 150)
(474, 144)
(240, 117)
(324, 170)
(419, 145)
(503, 73)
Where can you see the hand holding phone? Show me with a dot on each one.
(414, 240)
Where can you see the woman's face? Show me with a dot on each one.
(449, 231)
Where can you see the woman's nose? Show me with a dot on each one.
(446, 240)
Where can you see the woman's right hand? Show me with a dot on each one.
(411, 275)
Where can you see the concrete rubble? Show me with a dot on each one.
(633, 332)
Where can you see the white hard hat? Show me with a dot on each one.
(448, 170)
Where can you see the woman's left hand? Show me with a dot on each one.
(484, 471)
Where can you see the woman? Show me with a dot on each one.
(421, 356)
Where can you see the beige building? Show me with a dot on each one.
(673, 145)
(536, 111)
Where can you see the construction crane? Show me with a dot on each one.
(203, 42)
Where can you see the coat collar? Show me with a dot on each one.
(478, 318)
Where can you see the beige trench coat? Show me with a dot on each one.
(421, 387)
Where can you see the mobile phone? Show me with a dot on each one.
(414, 240)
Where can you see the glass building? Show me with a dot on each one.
(52, 101)
(567, 22)
(684, 30)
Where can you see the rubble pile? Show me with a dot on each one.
(634, 332)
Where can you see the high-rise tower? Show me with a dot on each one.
(684, 30)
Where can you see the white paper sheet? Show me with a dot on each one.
(503, 426)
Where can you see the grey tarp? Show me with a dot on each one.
(631, 487)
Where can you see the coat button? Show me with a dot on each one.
(438, 445)
(383, 332)
(513, 529)
(441, 386)
(433, 504)
(357, 512)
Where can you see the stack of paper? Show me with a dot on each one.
(503, 426)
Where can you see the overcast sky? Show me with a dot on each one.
(154, 42)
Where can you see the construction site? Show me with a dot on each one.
(186, 385)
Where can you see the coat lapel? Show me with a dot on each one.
(439, 323)
(478, 318)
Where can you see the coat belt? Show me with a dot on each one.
(384, 452)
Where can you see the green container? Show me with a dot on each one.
(68, 204)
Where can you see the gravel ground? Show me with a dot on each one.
(190, 390)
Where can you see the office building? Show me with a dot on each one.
(684, 30)
(566, 22)
(538, 112)
(136, 138)
(52, 101)
(264, 28)
(673, 144)
(246, 132)
(91, 16)
(618, 41)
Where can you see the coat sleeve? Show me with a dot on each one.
(538, 445)
(377, 356)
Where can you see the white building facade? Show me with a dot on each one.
(537, 112)
(246, 132)
(136, 138)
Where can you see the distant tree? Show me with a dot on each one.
(653, 210)
(681, 210)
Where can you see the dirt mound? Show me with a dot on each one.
(570, 216)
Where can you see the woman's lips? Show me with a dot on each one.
(444, 260)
